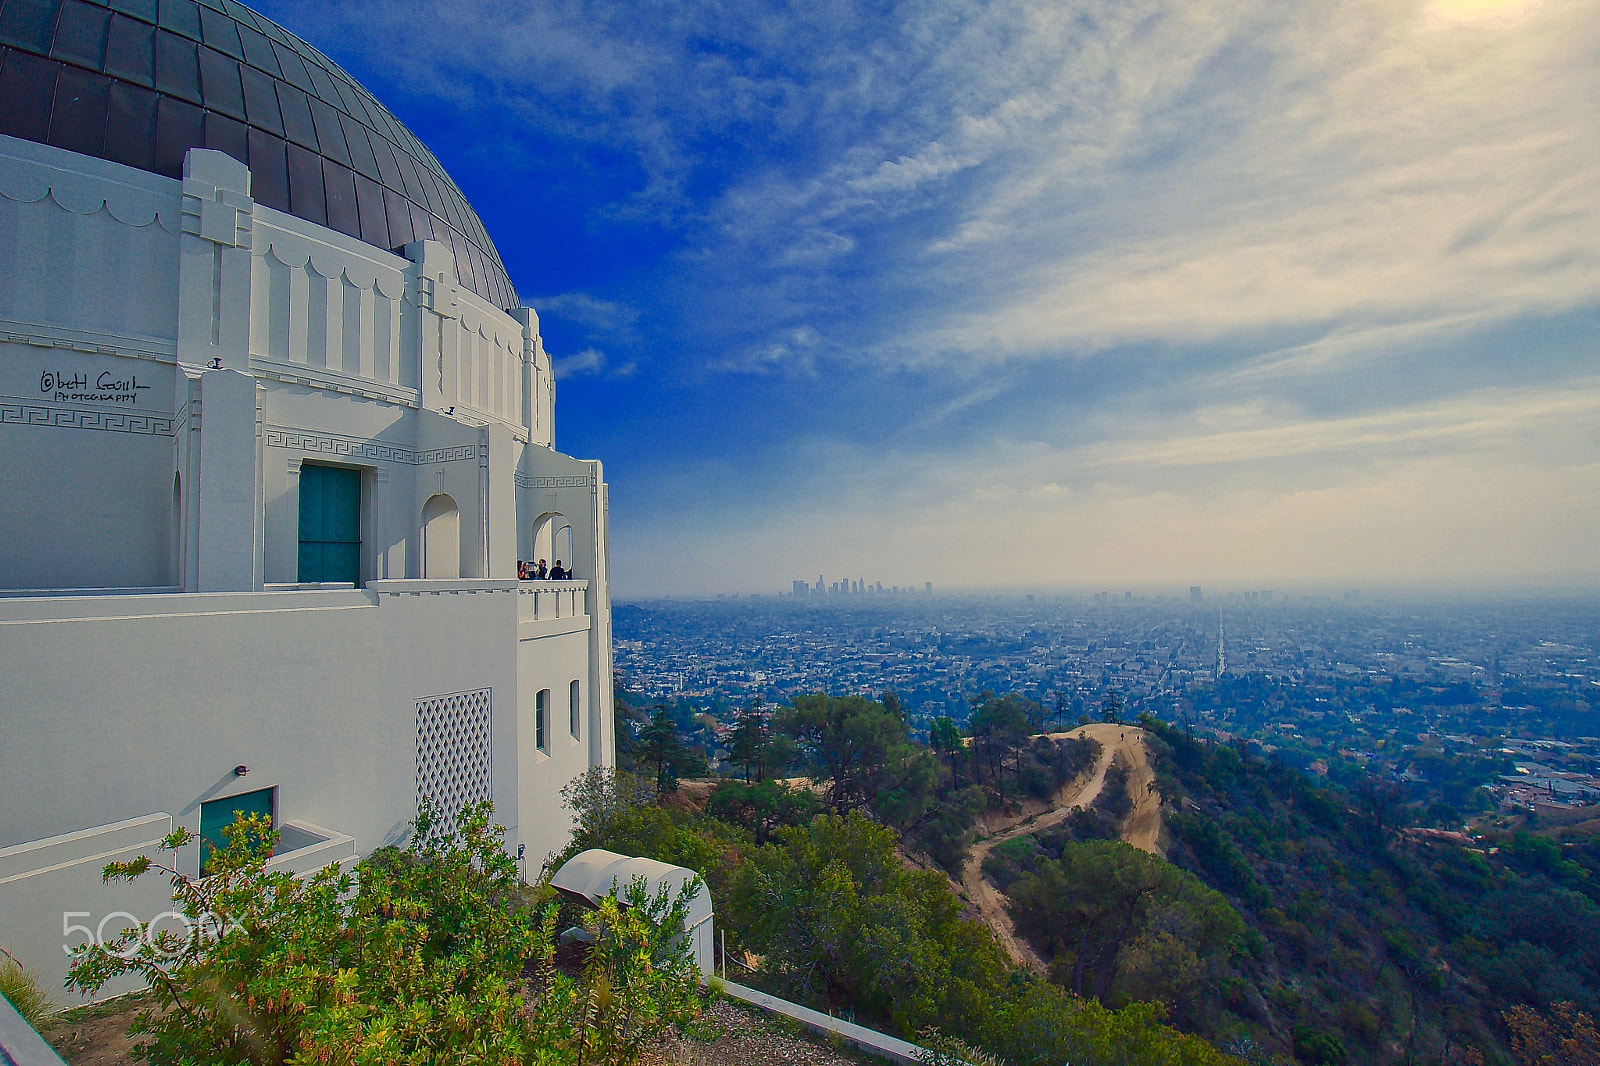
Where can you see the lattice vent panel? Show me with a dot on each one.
(453, 749)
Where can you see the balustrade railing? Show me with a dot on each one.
(538, 601)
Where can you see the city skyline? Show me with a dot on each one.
(1040, 295)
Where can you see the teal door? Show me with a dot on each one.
(330, 524)
(217, 815)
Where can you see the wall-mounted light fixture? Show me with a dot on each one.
(240, 770)
(216, 364)
(450, 410)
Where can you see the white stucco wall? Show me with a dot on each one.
(172, 355)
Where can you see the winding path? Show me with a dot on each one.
(1142, 828)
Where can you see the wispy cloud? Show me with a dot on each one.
(591, 362)
(607, 317)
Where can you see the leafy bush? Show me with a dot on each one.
(636, 982)
(416, 958)
(1318, 1049)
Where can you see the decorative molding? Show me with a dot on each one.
(224, 220)
(34, 413)
(560, 481)
(317, 378)
(39, 335)
(30, 172)
(311, 442)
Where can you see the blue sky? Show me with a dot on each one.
(1042, 292)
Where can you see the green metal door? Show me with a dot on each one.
(330, 524)
(216, 815)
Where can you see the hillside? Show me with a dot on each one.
(1215, 887)
(1360, 939)
(1119, 745)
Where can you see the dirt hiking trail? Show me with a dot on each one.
(1141, 829)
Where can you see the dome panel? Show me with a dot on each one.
(139, 82)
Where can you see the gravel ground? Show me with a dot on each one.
(96, 1036)
(747, 1037)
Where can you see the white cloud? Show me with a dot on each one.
(609, 317)
(1503, 484)
(591, 362)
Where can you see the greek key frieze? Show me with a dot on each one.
(561, 481)
(41, 414)
(373, 450)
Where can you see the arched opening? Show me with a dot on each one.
(561, 545)
(552, 539)
(441, 538)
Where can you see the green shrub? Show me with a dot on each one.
(1318, 1049)
(418, 958)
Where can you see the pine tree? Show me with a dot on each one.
(750, 743)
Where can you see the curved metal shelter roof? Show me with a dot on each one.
(140, 82)
(597, 873)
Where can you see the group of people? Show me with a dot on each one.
(527, 571)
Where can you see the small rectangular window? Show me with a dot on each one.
(541, 721)
(217, 815)
(574, 708)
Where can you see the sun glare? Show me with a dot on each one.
(1482, 12)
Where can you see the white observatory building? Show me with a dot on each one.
(275, 436)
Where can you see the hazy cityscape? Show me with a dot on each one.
(1327, 681)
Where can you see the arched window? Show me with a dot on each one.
(561, 545)
(574, 708)
(541, 721)
(441, 538)
(552, 539)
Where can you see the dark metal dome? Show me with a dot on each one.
(140, 82)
